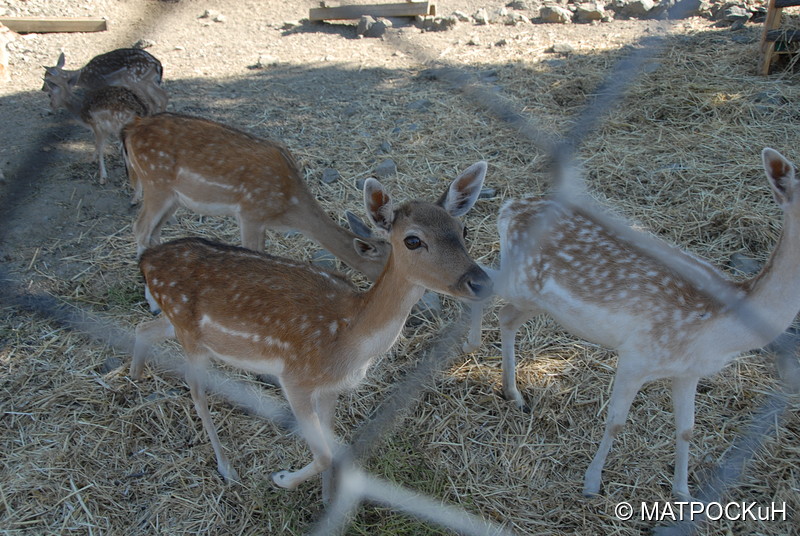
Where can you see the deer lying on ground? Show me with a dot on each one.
(600, 288)
(106, 111)
(212, 169)
(311, 329)
(133, 68)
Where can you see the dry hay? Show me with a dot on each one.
(86, 450)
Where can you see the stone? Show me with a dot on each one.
(555, 14)
(637, 8)
(589, 12)
(744, 264)
(419, 105)
(371, 27)
(481, 16)
(386, 169)
(266, 60)
(563, 48)
(429, 307)
(461, 16)
(110, 365)
(324, 259)
(519, 5)
(143, 43)
(330, 175)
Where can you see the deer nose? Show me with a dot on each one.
(478, 283)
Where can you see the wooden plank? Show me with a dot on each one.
(54, 24)
(784, 36)
(398, 9)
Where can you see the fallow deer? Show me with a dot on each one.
(597, 286)
(212, 169)
(133, 68)
(311, 329)
(106, 111)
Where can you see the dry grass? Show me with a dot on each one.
(89, 451)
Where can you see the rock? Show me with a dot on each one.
(637, 8)
(386, 169)
(419, 105)
(360, 183)
(481, 16)
(589, 12)
(209, 14)
(461, 16)
(769, 97)
(371, 27)
(563, 48)
(487, 193)
(474, 41)
(744, 264)
(735, 14)
(110, 364)
(519, 5)
(498, 16)
(385, 148)
(143, 43)
(266, 60)
(330, 175)
(555, 14)
(429, 306)
(324, 259)
(220, 18)
(350, 110)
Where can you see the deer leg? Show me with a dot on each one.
(148, 334)
(193, 378)
(683, 393)
(301, 401)
(473, 341)
(626, 385)
(152, 215)
(253, 233)
(100, 141)
(326, 409)
(511, 318)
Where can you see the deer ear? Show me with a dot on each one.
(358, 227)
(464, 191)
(780, 173)
(378, 204)
(366, 250)
(61, 61)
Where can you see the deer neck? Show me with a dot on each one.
(774, 293)
(339, 241)
(383, 309)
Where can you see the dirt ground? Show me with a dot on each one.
(89, 451)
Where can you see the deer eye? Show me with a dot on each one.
(412, 242)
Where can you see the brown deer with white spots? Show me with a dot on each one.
(600, 288)
(309, 328)
(212, 169)
(133, 68)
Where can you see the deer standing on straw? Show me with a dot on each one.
(600, 288)
(213, 169)
(311, 329)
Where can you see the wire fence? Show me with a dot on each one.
(353, 485)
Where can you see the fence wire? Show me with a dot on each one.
(353, 485)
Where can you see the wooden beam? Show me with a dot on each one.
(54, 24)
(398, 9)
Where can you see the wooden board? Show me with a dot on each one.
(54, 24)
(398, 9)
